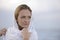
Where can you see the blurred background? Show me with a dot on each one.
(45, 16)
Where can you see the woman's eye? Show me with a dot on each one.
(23, 17)
(29, 17)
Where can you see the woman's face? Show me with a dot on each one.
(24, 18)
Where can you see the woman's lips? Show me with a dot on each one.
(25, 24)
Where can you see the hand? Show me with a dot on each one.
(3, 31)
(25, 34)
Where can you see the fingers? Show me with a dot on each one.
(3, 31)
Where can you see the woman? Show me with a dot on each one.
(21, 29)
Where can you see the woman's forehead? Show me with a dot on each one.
(25, 12)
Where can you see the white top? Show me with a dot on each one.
(13, 33)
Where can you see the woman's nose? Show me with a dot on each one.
(26, 20)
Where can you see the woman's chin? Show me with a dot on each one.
(25, 26)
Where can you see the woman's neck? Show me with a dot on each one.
(20, 28)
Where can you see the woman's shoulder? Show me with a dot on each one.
(33, 30)
(12, 30)
(34, 35)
